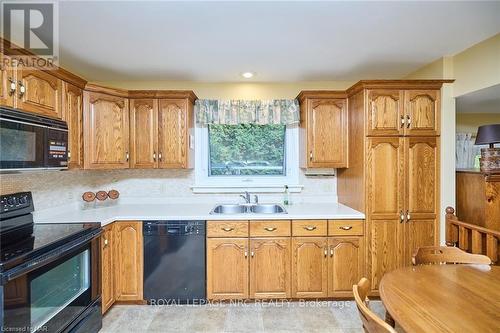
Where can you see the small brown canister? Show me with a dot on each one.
(88, 196)
(113, 194)
(101, 195)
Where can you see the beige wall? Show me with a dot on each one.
(469, 122)
(236, 90)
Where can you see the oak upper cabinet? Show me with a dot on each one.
(128, 259)
(422, 109)
(107, 267)
(385, 205)
(346, 266)
(8, 85)
(422, 193)
(73, 115)
(323, 130)
(309, 267)
(227, 268)
(270, 267)
(144, 133)
(106, 131)
(39, 92)
(175, 117)
(385, 114)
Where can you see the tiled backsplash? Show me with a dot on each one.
(59, 188)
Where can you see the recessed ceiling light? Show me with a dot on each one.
(247, 75)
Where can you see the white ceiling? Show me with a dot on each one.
(280, 41)
(481, 101)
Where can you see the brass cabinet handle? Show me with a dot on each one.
(326, 252)
(127, 156)
(154, 156)
(310, 155)
(12, 86)
(402, 121)
(106, 242)
(310, 228)
(22, 89)
(159, 156)
(251, 254)
(246, 253)
(408, 121)
(226, 229)
(408, 217)
(69, 154)
(270, 228)
(401, 217)
(331, 251)
(346, 227)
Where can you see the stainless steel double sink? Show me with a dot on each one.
(226, 209)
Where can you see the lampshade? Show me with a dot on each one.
(488, 134)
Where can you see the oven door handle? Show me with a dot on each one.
(47, 258)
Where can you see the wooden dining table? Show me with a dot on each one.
(443, 298)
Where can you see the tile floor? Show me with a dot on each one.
(333, 317)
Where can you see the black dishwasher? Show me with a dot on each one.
(174, 262)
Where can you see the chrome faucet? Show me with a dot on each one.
(246, 196)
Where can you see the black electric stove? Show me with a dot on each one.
(49, 273)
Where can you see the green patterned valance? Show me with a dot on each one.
(233, 112)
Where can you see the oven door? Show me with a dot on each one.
(53, 296)
(22, 145)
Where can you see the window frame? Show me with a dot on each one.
(234, 184)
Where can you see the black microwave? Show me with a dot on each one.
(32, 142)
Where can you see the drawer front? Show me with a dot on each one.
(309, 227)
(345, 227)
(227, 229)
(269, 228)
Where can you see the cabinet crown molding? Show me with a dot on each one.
(397, 84)
(142, 94)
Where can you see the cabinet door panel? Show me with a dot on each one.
(346, 264)
(422, 112)
(143, 133)
(418, 233)
(8, 85)
(385, 112)
(73, 115)
(422, 167)
(309, 267)
(106, 131)
(385, 186)
(227, 268)
(107, 268)
(385, 248)
(270, 267)
(42, 93)
(172, 137)
(129, 264)
(327, 133)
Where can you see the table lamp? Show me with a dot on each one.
(490, 157)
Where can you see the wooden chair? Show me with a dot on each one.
(371, 322)
(446, 255)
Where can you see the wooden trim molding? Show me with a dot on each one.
(397, 84)
(321, 94)
(142, 94)
(106, 90)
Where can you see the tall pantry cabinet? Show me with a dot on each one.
(393, 174)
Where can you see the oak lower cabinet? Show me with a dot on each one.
(270, 267)
(346, 264)
(106, 131)
(310, 267)
(122, 263)
(227, 268)
(107, 268)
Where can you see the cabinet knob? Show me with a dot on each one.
(22, 89)
(159, 156)
(310, 228)
(401, 217)
(12, 86)
(408, 217)
(227, 229)
(270, 228)
(346, 227)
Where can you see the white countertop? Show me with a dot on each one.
(195, 211)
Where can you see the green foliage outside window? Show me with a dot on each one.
(247, 149)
